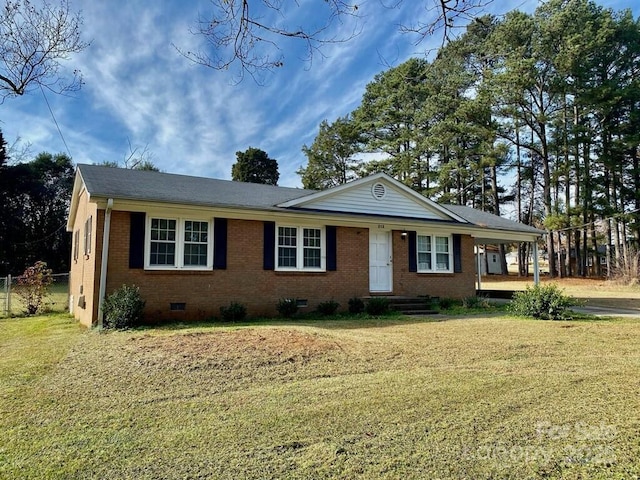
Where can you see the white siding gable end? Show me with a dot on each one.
(375, 195)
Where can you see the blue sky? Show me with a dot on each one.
(139, 90)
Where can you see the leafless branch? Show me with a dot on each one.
(34, 41)
(236, 35)
(244, 33)
(445, 16)
(137, 156)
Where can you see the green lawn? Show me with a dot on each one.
(56, 301)
(393, 398)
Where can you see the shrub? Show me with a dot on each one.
(356, 305)
(235, 312)
(475, 302)
(446, 303)
(33, 286)
(123, 308)
(287, 307)
(328, 308)
(546, 302)
(378, 305)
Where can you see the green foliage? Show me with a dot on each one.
(33, 287)
(356, 305)
(541, 301)
(35, 203)
(445, 303)
(287, 307)
(330, 159)
(328, 308)
(123, 308)
(475, 302)
(255, 166)
(234, 312)
(377, 306)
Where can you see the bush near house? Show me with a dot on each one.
(123, 308)
(547, 302)
(234, 312)
(33, 287)
(356, 305)
(328, 308)
(287, 307)
(377, 306)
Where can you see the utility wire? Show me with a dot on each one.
(56, 122)
(596, 221)
(47, 237)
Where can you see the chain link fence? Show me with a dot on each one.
(12, 304)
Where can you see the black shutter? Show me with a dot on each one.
(457, 253)
(332, 261)
(220, 243)
(269, 259)
(136, 239)
(413, 251)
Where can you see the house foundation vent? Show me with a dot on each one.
(378, 190)
(178, 306)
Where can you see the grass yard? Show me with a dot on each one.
(592, 291)
(393, 398)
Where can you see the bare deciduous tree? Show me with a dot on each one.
(248, 33)
(34, 41)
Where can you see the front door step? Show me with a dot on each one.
(412, 305)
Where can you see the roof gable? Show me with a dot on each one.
(377, 194)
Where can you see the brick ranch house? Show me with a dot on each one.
(195, 244)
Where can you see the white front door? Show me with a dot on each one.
(380, 270)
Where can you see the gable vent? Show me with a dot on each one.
(378, 191)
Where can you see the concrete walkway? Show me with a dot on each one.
(599, 311)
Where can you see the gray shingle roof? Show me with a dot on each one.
(125, 184)
(489, 220)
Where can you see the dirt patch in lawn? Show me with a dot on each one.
(220, 349)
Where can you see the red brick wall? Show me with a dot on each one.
(453, 285)
(84, 275)
(245, 281)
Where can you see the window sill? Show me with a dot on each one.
(179, 271)
(296, 273)
(436, 273)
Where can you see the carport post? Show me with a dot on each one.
(536, 266)
(479, 267)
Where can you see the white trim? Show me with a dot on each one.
(300, 248)
(179, 251)
(373, 179)
(434, 253)
(482, 235)
(389, 279)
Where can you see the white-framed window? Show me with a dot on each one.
(435, 253)
(76, 245)
(88, 231)
(178, 243)
(300, 248)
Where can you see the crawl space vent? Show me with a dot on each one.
(378, 191)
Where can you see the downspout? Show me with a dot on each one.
(105, 260)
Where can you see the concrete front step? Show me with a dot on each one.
(413, 305)
(419, 312)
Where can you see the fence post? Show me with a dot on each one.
(8, 295)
